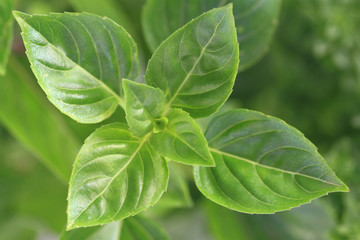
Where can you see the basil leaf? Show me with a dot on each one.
(196, 66)
(255, 21)
(115, 175)
(182, 140)
(25, 112)
(79, 60)
(144, 104)
(137, 227)
(6, 33)
(263, 165)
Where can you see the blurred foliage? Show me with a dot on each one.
(310, 78)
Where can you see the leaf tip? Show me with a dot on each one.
(19, 16)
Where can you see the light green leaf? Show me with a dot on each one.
(144, 105)
(79, 61)
(196, 66)
(255, 20)
(263, 165)
(26, 113)
(6, 33)
(115, 175)
(182, 140)
(132, 228)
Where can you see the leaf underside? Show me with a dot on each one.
(263, 165)
(116, 175)
(196, 66)
(255, 21)
(79, 60)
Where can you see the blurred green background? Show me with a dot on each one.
(310, 78)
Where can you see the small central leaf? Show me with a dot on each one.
(160, 124)
(182, 140)
(144, 107)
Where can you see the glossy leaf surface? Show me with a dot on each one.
(79, 61)
(255, 20)
(6, 32)
(263, 165)
(144, 104)
(182, 140)
(26, 113)
(196, 66)
(132, 228)
(115, 175)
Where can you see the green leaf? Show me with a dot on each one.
(115, 175)
(132, 228)
(26, 113)
(182, 140)
(263, 165)
(108, 8)
(6, 33)
(144, 104)
(109, 231)
(255, 21)
(196, 66)
(224, 223)
(177, 194)
(79, 61)
(139, 227)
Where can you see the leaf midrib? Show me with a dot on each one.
(167, 107)
(214, 150)
(143, 141)
(121, 101)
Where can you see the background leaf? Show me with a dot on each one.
(115, 175)
(28, 116)
(255, 21)
(6, 33)
(196, 66)
(182, 140)
(262, 165)
(144, 104)
(137, 227)
(74, 67)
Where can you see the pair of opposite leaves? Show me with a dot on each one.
(262, 164)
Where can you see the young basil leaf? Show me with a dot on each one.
(255, 21)
(196, 66)
(6, 33)
(115, 175)
(144, 104)
(182, 140)
(79, 61)
(263, 165)
(137, 227)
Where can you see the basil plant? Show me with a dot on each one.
(246, 161)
